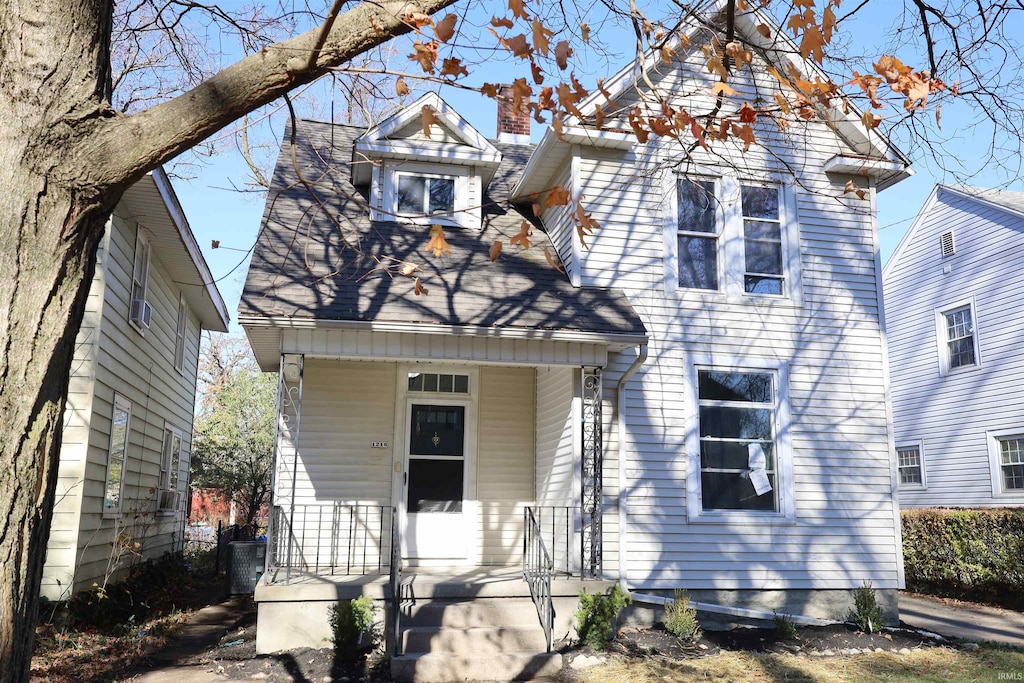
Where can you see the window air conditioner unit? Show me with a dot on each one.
(141, 313)
(168, 500)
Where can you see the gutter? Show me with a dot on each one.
(620, 400)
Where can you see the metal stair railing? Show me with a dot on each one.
(537, 571)
(395, 583)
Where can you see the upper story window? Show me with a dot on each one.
(140, 313)
(697, 234)
(958, 338)
(910, 465)
(425, 195)
(762, 240)
(120, 425)
(180, 332)
(731, 237)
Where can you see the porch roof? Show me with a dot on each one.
(320, 258)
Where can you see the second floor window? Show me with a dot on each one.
(180, 332)
(762, 240)
(140, 313)
(697, 233)
(960, 340)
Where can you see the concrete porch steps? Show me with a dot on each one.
(479, 639)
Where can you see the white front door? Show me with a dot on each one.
(437, 518)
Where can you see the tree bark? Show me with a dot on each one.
(65, 158)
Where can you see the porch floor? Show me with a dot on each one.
(450, 583)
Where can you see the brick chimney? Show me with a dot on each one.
(513, 126)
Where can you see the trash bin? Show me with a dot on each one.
(246, 560)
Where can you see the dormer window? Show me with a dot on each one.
(425, 195)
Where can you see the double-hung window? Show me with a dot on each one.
(960, 337)
(424, 194)
(120, 426)
(139, 312)
(1006, 450)
(762, 240)
(731, 236)
(697, 233)
(738, 442)
(910, 465)
(180, 332)
(170, 465)
(957, 337)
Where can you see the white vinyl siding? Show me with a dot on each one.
(557, 417)
(843, 526)
(952, 413)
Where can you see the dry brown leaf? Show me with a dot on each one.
(425, 54)
(495, 250)
(557, 196)
(764, 30)
(428, 118)
(783, 103)
(518, 8)
(745, 133)
(722, 88)
(747, 113)
(407, 269)
(401, 87)
(445, 29)
(557, 265)
(537, 73)
(852, 187)
(419, 289)
(518, 45)
(490, 90)
(504, 22)
(562, 54)
(938, 117)
(522, 238)
(585, 32)
(697, 131)
(417, 19)
(453, 67)
(438, 244)
(541, 37)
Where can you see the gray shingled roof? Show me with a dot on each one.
(302, 268)
(1011, 200)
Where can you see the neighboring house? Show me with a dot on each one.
(125, 447)
(954, 316)
(720, 328)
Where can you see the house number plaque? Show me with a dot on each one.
(379, 444)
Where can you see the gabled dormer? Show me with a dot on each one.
(423, 168)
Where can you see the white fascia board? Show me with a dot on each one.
(908, 236)
(427, 152)
(623, 338)
(188, 239)
(550, 152)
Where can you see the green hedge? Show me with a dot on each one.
(969, 554)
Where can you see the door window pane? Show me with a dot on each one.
(437, 430)
(435, 485)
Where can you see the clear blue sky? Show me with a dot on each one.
(216, 212)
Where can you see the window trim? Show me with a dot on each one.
(942, 338)
(919, 445)
(181, 334)
(993, 438)
(783, 447)
(140, 277)
(119, 402)
(731, 255)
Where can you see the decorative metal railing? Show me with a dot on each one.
(395, 584)
(559, 528)
(331, 539)
(592, 467)
(537, 571)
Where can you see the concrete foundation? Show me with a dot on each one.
(822, 604)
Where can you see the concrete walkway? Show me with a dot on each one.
(963, 620)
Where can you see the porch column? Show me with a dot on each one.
(591, 468)
(286, 446)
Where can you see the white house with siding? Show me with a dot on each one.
(955, 325)
(696, 398)
(125, 447)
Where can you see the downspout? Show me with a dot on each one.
(620, 400)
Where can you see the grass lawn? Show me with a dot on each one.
(938, 665)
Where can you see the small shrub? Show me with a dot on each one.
(866, 613)
(681, 619)
(595, 617)
(785, 629)
(349, 618)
